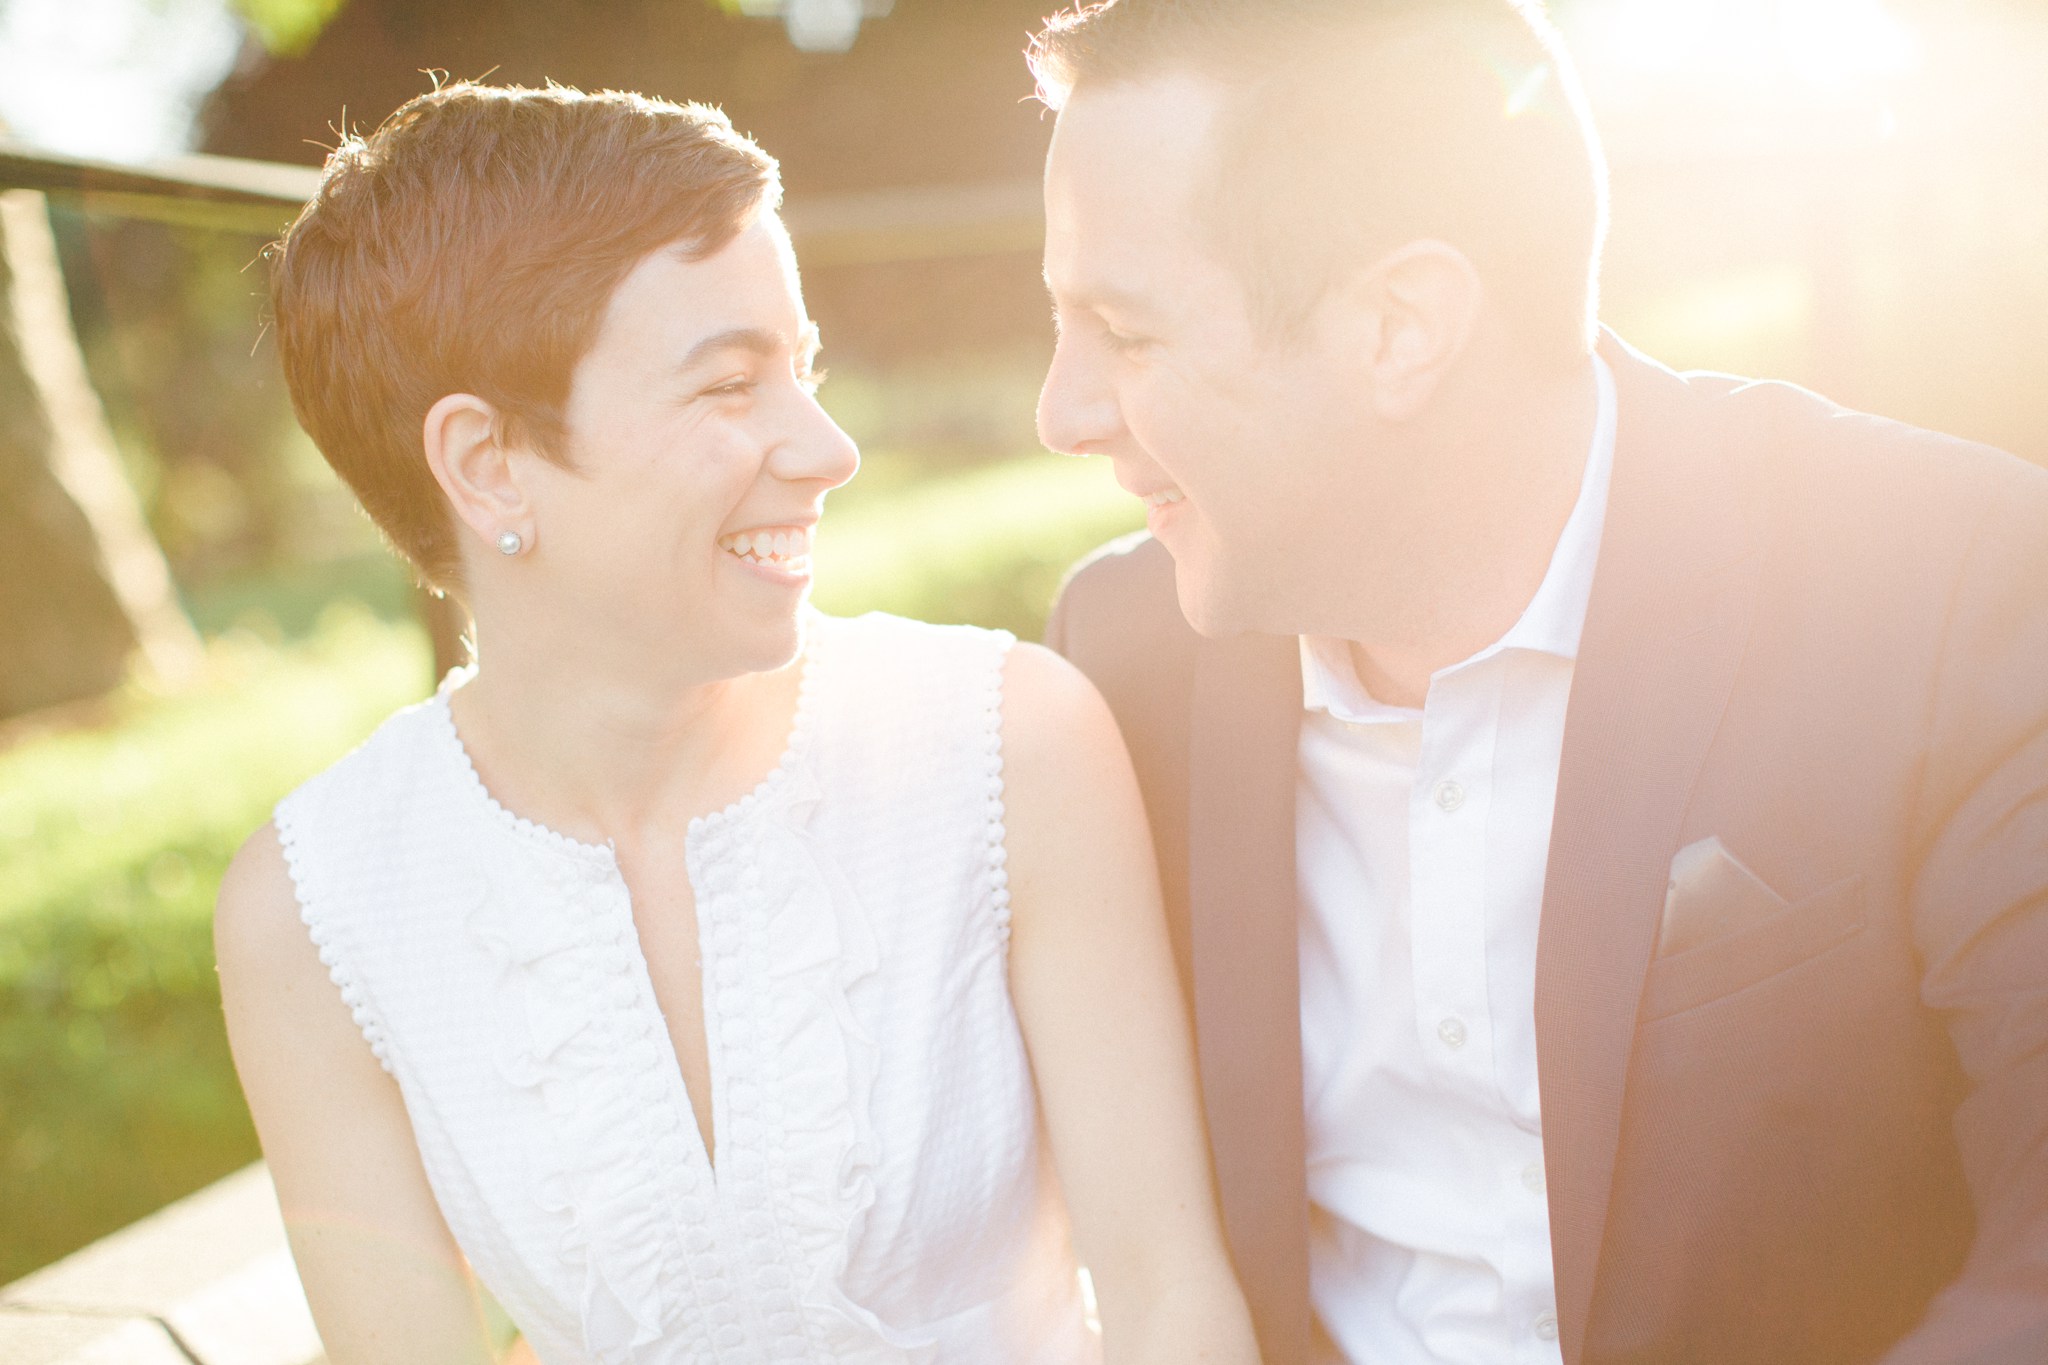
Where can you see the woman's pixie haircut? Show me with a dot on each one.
(470, 245)
(1352, 127)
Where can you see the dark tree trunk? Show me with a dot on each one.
(82, 584)
(63, 634)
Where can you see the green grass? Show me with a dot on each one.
(195, 770)
(116, 1091)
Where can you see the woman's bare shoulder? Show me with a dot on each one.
(277, 993)
(256, 924)
(1047, 699)
(1067, 779)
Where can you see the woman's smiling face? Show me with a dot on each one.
(698, 459)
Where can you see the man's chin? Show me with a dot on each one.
(1208, 610)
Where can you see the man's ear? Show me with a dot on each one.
(466, 449)
(1421, 303)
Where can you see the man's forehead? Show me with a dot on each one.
(1135, 138)
(1127, 162)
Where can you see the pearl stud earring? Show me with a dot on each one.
(510, 543)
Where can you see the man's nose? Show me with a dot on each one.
(1077, 410)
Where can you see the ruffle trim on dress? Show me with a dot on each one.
(798, 1088)
(785, 913)
(309, 895)
(617, 1166)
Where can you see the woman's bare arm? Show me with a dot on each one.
(385, 1280)
(1094, 983)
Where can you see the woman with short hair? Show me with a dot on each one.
(720, 981)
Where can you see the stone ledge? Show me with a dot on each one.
(208, 1280)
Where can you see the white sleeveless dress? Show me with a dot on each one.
(881, 1194)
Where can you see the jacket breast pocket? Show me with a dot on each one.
(1747, 957)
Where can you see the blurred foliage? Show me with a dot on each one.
(987, 546)
(173, 325)
(934, 414)
(120, 1095)
(287, 28)
(120, 1092)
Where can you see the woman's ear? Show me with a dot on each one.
(466, 450)
(1423, 302)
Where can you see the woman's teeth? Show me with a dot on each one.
(788, 548)
(1165, 497)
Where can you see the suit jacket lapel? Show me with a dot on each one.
(1244, 944)
(1664, 636)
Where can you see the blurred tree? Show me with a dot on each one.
(813, 25)
(286, 28)
(87, 583)
(932, 95)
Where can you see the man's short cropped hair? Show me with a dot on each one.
(1352, 127)
(470, 245)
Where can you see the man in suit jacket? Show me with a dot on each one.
(1603, 812)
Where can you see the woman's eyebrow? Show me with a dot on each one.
(754, 340)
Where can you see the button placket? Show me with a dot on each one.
(1448, 873)
(1526, 1265)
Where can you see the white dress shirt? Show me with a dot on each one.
(1422, 837)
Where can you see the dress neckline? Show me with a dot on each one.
(603, 857)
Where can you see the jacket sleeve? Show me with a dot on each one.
(1980, 908)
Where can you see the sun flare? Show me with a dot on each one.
(1828, 45)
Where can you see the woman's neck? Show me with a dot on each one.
(599, 750)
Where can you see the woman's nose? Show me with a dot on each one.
(820, 450)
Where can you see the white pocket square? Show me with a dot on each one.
(1710, 896)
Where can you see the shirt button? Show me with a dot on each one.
(1452, 1031)
(1449, 795)
(1546, 1325)
(1532, 1177)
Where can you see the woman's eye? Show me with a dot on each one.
(732, 388)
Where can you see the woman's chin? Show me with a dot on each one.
(762, 642)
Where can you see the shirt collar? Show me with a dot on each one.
(1552, 622)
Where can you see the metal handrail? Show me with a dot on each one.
(225, 192)
(239, 195)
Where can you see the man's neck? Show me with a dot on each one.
(1471, 602)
